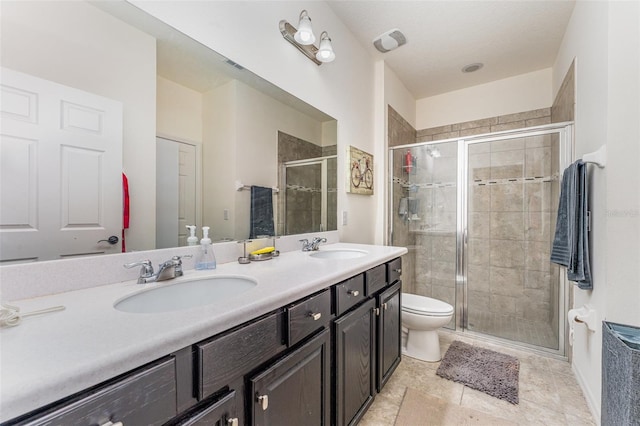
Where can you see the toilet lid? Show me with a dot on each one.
(425, 305)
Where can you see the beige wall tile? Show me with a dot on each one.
(444, 248)
(507, 164)
(507, 281)
(478, 278)
(479, 166)
(507, 145)
(507, 225)
(527, 115)
(537, 141)
(479, 198)
(537, 255)
(508, 126)
(479, 225)
(475, 131)
(478, 251)
(507, 254)
(502, 304)
(507, 197)
(538, 196)
(538, 226)
(479, 148)
(537, 162)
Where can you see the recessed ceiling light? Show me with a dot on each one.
(472, 67)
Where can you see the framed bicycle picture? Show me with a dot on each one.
(360, 171)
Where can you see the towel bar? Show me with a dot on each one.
(599, 157)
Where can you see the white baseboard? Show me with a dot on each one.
(592, 403)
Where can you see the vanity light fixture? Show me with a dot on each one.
(303, 39)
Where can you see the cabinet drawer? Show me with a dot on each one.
(146, 396)
(348, 294)
(375, 279)
(231, 355)
(307, 316)
(394, 270)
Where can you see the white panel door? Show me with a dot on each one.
(175, 192)
(61, 170)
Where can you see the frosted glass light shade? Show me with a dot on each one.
(304, 35)
(325, 52)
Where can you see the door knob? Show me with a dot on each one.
(111, 240)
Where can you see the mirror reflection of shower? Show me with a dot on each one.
(310, 195)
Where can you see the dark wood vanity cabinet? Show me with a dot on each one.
(317, 361)
(367, 344)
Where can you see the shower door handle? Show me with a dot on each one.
(465, 236)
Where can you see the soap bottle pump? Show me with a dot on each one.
(192, 240)
(206, 259)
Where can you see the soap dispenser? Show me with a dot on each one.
(192, 240)
(205, 259)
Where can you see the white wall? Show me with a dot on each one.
(603, 38)
(507, 96)
(75, 44)
(178, 112)
(344, 89)
(219, 159)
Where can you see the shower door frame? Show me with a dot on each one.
(565, 155)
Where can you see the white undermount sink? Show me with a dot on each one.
(338, 254)
(185, 294)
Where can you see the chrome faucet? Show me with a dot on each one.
(170, 269)
(313, 245)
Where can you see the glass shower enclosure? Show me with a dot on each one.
(478, 217)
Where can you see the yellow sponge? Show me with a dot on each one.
(263, 250)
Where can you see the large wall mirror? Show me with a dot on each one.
(198, 130)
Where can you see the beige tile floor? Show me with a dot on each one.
(549, 394)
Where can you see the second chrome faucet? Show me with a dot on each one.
(313, 245)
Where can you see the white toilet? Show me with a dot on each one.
(421, 318)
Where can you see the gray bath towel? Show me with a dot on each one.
(571, 241)
(261, 212)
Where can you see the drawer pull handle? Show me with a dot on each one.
(384, 305)
(399, 270)
(110, 423)
(353, 292)
(264, 401)
(233, 421)
(315, 316)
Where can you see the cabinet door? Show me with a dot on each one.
(220, 412)
(355, 363)
(389, 332)
(294, 390)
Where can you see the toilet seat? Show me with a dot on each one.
(421, 305)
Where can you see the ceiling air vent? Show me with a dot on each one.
(390, 40)
(234, 64)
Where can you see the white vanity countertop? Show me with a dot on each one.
(51, 356)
